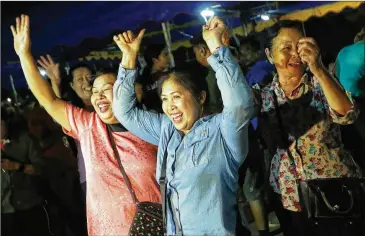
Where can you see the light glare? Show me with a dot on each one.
(206, 14)
(265, 17)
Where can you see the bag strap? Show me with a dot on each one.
(283, 131)
(162, 182)
(163, 191)
(116, 154)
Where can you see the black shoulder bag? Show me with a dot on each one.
(148, 219)
(327, 198)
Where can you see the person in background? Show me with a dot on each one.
(158, 66)
(79, 80)
(350, 66)
(256, 70)
(350, 71)
(255, 67)
(110, 208)
(202, 52)
(22, 210)
(299, 119)
(203, 153)
(64, 194)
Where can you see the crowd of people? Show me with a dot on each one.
(263, 128)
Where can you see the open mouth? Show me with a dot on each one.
(177, 117)
(295, 64)
(103, 106)
(88, 88)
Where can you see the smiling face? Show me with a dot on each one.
(81, 78)
(284, 53)
(102, 97)
(179, 104)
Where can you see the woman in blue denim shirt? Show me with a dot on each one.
(203, 153)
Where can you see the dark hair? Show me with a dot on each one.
(198, 40)
(152, 51)
(14, 121)
(103, 71)
(275, 30)
(360, 36)
(185, 79)
(5, 115)
(75, 67)
(252, 41)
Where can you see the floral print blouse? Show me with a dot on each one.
(303, 134)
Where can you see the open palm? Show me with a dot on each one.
(128, 43)
(52, 69)
(21, 34)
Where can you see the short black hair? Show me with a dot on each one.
(252, 41)
(77, 66)
(275, 30)
(152, 50)
(198, 40)
(184, 78)
(101, 72)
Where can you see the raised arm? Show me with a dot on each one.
(144, 124)
(39, 86)
(336, 96)
(53, 72)
(236, 94)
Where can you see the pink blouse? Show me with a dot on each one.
(110, 209)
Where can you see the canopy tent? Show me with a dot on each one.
(301, 11)
(66, 24)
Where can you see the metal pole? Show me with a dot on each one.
(13, 88)
(305, 34)
(168, 43)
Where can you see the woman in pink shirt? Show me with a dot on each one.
(110, 208)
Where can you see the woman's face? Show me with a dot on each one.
(81, 78)
(102, 97)
(285, 55)
(163, 60)
(179, 104)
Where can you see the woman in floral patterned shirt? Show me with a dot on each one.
(311, 106)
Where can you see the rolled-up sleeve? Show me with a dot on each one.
(347, 119)
(237, 101)
(144, 124)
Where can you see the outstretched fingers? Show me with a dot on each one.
(13, 31)
(50, 59)
(17, 25)
(40, 62)
(141, 34)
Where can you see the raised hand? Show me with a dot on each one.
(309, 53)
(52, 69)
(21, 34)
(213, 32)
(128, 43)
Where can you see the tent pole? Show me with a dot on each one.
(13, 88)
(303, 27)
(166, 33)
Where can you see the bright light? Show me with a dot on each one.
(42, 71)
(206, 14)
(265, 17)
(9, 100)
